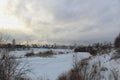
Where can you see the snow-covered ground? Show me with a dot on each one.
(49, 67)
(52, 67)
(108, 66)
(37, 50)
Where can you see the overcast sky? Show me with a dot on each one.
(60, 21)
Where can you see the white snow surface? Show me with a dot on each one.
(107, 62)
(52, 67)
(49, 67)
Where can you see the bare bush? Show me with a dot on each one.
(115, 74)
(30, 54)
(11, 68)
(49, 53)
(83, 71)
(46, 54)
(63, 76)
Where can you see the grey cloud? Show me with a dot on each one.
(69, 20)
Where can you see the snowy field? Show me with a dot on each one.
(49, 67)
(109, 66)
(52, 67)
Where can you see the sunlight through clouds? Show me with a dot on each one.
(7, 21)
(63, 21)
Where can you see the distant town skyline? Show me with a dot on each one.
(60, 21)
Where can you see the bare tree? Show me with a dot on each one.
(10, 67)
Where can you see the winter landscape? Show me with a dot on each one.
(59, 40)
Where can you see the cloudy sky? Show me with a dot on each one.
(60, 21)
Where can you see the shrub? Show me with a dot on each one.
(93, 52)
(81, 49)
(45, 54)
(11, 69)
(30, 54)
(117, 42)
(86, 49)
(82, 70)
(63, 76)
